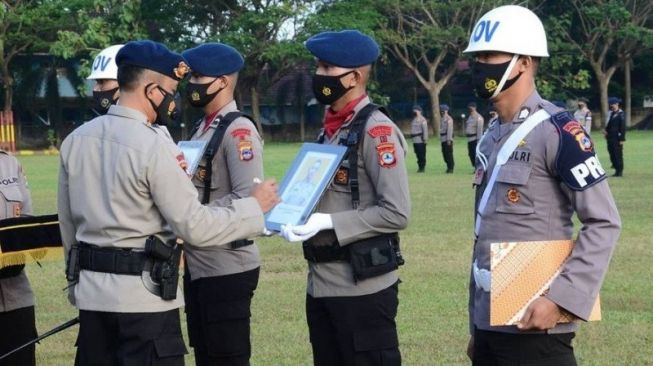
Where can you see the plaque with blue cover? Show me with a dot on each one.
(304, 183)
(193, 151)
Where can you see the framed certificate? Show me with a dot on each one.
(301, 188)
(193, 151)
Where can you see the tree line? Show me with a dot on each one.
(590, 41)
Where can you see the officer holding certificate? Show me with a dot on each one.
(122, 202)
(351, 243)
(535, 169)
(224, 277)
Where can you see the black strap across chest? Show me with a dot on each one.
(213, 147)
(353, 142)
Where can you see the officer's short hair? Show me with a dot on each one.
(129, 76)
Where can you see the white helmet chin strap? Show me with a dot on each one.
(505, 76)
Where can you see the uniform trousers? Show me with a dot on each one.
(616, 151)
(510, 349)
(218, 317)
(130, 339)
(354, 331)
(17, 329)
(471, 151)
(447, 154)
(420, 152)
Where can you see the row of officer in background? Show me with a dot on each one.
(124, 198)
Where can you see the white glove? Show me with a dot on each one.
(267, 232)
(316, 223)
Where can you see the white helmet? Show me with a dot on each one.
(511, 29)
(104, 65)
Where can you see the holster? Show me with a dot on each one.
(165, 268)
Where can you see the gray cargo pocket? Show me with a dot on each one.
(512, 191)
(379, 347)
(227, 328)
(170, 346)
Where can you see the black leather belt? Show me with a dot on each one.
(443, 134)
(111, 260)
(471, 135)
(240, 243)
(321, 254)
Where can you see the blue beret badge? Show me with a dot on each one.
(181, 70)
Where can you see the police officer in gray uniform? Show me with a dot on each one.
(16, 297)
(536, 169)
(446, 137)
(123, 198)
(223, 277)
(419, 131)
(351, 243)
(473, 131)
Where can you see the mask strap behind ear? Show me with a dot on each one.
(505, 76)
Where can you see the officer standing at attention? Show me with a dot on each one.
(584, 115)
(223, 277)
(123, 199)
(615, 133)
(419, 131)
(537, 168)
(446, 136)
(473, 131)
(105, 73)
(16, 297)
(352, 243)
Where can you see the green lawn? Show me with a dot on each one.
(433, 297)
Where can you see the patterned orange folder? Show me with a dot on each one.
(521, 272)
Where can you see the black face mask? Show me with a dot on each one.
(104, 100)
(197, 96)
(328, 89)
(167, 110)
(486, 78)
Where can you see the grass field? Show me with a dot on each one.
(433, 296)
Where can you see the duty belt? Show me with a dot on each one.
(443, 134)
(470, 134)
(240, 243)
(111, 260)
(321, 254)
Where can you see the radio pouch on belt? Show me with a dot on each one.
(374, 256)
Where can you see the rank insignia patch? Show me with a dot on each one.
(386, 153)
(245, 149)
(342, 176)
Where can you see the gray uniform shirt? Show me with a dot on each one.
(474, 127)
(121, 181)
(542, 211)
(446, 128)
(237, 162)
(15, 200)
(419, 130)
(384, 206)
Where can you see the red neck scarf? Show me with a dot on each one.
(334, 120)
(208, 119)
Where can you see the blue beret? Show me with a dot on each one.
(444, 107)
(471, 104)
(614, 100)
(347, 48)
(214, 59)
(417, 108)
(153, 56)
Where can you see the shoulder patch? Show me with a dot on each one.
(576, 162)
(380, 131)
(386, 153)
(245, 150)
(241, 133)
